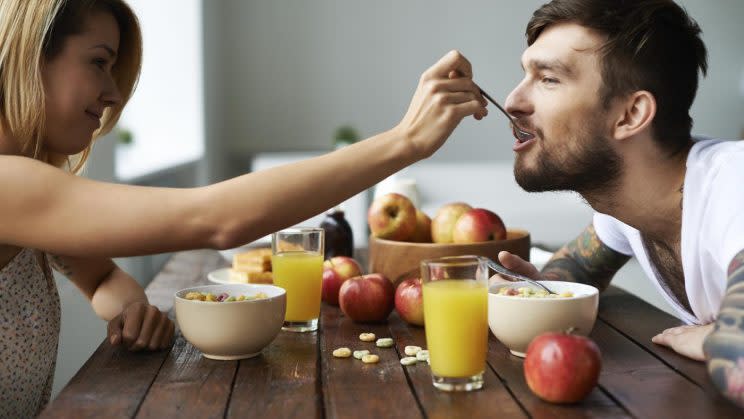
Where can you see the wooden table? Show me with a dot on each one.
(296, 376)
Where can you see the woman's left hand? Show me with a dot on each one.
(685, 340)
(141, 326)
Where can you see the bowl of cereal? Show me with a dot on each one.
(231, 321)
(518, 312)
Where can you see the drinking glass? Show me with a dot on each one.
(456, 320)
(297, 265)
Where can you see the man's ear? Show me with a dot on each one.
(635, 114)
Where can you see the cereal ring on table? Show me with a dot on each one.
(370, 359)
(384, 343)
(342, 353)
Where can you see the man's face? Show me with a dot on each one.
(559, 102)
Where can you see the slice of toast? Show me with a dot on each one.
(252, 267)
(253, 260)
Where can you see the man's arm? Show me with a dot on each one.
(586, 260)
(724, 347)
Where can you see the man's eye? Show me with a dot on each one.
(549, 80)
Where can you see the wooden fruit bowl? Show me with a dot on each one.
(401, 260)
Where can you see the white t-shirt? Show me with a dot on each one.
(712, 228)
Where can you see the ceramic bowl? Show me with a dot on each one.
(515, 320)
(231, 330)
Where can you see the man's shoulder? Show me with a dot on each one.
(712, 153)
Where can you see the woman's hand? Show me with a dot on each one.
(141, 326)
(685, 340)
(445, 95)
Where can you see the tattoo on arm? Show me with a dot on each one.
(724, 347)
(59, 265)
(585, 259)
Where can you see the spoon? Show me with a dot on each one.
(521, 134)
(509, 273)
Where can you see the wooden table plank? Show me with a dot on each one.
(283, 382)
(114, 380)
(354, 389)
(641, 321)
(189, 384)
(647, 387)
(510, 369)
(111, 384)
(484, 403)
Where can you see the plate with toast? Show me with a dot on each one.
(249, 266)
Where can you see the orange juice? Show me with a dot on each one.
(456, 321)
(301, 275)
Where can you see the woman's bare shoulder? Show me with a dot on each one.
(20, 171)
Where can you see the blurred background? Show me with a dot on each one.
(230, 86)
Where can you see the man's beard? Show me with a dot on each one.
(594, 167)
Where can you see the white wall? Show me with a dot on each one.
(166, 112)
(286, 73)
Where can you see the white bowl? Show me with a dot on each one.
(515, 320)
(231, 330)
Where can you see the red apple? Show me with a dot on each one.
(336, 270)
(478, 225)
(367, 298)
(392, 216)
(409, 301)
(444, 221)
(561, 367)
(422, 234)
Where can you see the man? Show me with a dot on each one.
(607, 90)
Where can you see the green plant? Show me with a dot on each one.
(345, 134)
(124, 136)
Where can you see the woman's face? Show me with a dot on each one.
(78, 85)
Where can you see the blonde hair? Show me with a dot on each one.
(32, 31)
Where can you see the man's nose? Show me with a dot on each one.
(517, 103)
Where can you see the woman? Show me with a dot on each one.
(67, 68)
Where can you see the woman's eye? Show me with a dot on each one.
(100, 63)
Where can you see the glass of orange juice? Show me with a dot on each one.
(456, 320)
(297, 265)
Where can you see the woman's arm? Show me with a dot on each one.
(47, 209)
(117, 298)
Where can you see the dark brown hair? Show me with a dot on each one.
(651, 45)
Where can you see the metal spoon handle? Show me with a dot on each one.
(500, 269)
(519, 132)
(487, 96)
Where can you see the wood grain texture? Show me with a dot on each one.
(510, 369)
(494, 398)
(400, 260)
(647, 387)
(189, 384)
(640, 321)
(354, 389)
(297, 376)
(283, 382)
